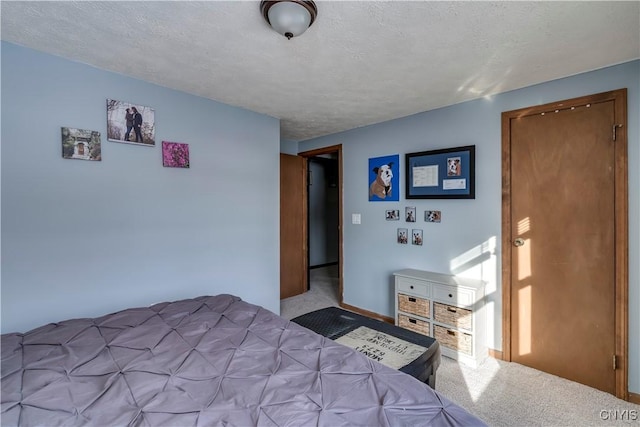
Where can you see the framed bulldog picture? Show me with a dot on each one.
(410, 214)
(416, 237)
(383, 179)
(403, 236)
(392, 215)
(432, 216)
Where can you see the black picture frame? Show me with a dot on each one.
(448, 173)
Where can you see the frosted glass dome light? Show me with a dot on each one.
(289, 17)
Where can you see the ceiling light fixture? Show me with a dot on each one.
(289, 17)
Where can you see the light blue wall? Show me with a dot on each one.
(467, 242)
(83, 238)
(288, 146)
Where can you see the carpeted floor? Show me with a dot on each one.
(501, 393)
(324, 283)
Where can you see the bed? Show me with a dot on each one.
(211, 360)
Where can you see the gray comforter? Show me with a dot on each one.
(204, 361)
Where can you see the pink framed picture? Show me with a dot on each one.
(175, 155)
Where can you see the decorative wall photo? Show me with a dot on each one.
(447, 173)
(175, 155)
(392, 215)
(416, 237)
(383, 179)
(410, 214)
(454, 166)
(130, 123)
(402, 236)
(81, 144)
(432, 216)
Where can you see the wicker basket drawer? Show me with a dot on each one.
(454, 316)
(455, 340)
(415, 325)
(413, 305)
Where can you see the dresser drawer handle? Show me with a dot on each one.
(450, 332)
(412, 299)
(414, 321)
(452, 310)
(450, 295)
(411, 287)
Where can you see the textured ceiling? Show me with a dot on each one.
(361, 62)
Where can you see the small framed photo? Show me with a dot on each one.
(454, 166)
(81, 144)
(175, 155)
(403, 237)
(392, 215)
(416, 237)
(432, 216)
(130, 123)
(410, 214)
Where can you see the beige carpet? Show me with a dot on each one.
(323, 293)
(501, 393)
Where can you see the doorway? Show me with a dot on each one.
(324, 217)
(564, 239)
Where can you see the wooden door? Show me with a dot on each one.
(293, 220)
(562, 239)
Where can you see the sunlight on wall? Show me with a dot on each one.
(473, 263)
(480, 262)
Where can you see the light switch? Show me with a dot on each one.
(355, 218)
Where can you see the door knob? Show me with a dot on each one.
(518, 242)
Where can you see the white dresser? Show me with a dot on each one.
(445, 307)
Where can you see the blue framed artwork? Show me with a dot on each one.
(383, 179)
(448, 173)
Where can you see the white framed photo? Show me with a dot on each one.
(432, 216)
(416, 237)
(410, 214)
(81, 144)
(392, 215)
(403, 236)
(130, 123)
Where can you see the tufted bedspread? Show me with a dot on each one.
(212, 360)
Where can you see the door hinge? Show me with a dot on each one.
(614, 130)
(615, 362)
